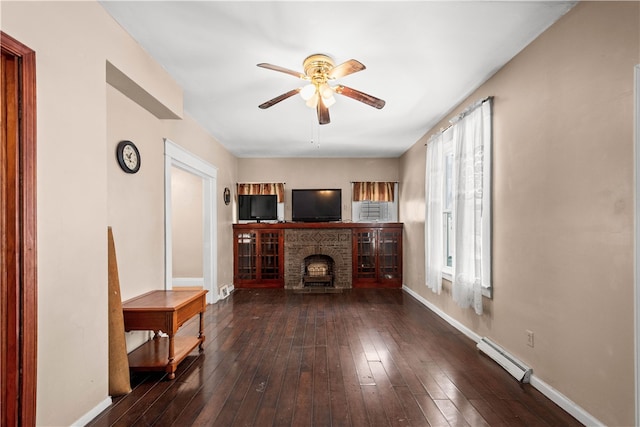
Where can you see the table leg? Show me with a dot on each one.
(172, 353)
(200, 334)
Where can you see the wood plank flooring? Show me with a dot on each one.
(363, 357)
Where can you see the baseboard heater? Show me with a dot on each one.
(517, 369)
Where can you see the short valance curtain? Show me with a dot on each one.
(276, 188)
(373, 191)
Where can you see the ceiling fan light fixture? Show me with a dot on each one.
(308, 91)
(326, 92)
(328, 102)
(313, 101)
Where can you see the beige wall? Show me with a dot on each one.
(81, 190)
(318, 173)
(135, 202)
(563, 209)
(186, 224)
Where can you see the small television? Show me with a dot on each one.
(323, 205)
(257, 207)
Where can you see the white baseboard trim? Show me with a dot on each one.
(551, 393)
(86, 418)
(562, 401)
(453, 322)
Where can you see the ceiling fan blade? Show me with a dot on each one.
(360, 96)
(277, 99)
(349, 67)
(323, 112)
(282, 70)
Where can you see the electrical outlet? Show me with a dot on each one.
(529, 338)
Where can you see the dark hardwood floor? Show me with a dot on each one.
(364, 357)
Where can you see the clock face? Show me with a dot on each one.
(128, 156)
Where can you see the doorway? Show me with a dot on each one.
(18, 259)
(187, 228)
(177, 157)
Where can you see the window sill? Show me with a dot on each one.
(447, 274)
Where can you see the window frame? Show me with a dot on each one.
(448, 236)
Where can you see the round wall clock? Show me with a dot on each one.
(128, 156)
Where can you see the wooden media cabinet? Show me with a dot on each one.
(365, 254)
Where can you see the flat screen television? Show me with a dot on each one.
(322, 205)
(257, 207)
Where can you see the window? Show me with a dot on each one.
(366, 209)
(458, 207)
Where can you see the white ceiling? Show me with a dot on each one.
(422, 58)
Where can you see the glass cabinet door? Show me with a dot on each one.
(246, 258)
(389, 262)
(377, 257)
(258, 258)
(365, 242)
(269, 255)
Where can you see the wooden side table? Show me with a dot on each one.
(164, 311)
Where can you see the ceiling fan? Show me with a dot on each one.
(319, 70)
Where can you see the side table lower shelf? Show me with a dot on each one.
(152, 355)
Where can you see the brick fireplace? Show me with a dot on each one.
(333, 244)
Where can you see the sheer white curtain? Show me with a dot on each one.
(433, 216)
(472, 206)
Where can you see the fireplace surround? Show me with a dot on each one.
(300, 244)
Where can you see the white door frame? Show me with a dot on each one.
(636, 252)
(176, 156)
